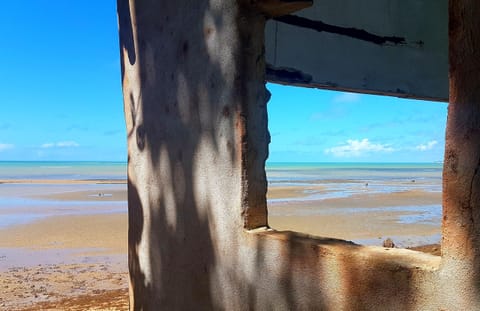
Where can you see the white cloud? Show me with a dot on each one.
(346, 98)
(427, 146)
(356, 148)
(67, 144)
(60, 144)
(4, 147)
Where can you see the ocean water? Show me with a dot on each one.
(62, 170)
(294, 173)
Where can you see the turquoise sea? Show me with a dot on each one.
(285, 172)
(65, 170)
(308, 171)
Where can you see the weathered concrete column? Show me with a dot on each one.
(461, 177)
(195, 109)
(193, 74)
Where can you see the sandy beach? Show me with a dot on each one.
(63, 243)
(75, 261)
(365, 218)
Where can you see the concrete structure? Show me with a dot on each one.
(195, 105)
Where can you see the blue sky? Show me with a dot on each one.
(61, 99)
(316, 125)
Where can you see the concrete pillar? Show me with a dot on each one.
(461, 177)
(195, 110)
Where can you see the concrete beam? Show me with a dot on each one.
(386, 47)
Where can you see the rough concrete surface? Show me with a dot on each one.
(195, 106)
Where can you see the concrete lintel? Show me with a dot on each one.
(385, 47)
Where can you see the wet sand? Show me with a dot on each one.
(289, 192)
(78, 260)
(94, 195)
(75, 261)
(359, 229)
(104, 233)
(46, 264)
(365, 218)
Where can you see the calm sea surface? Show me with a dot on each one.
(276, 172)
(308, 172)
(63, 170)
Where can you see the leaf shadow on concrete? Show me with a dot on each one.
(174, 260)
